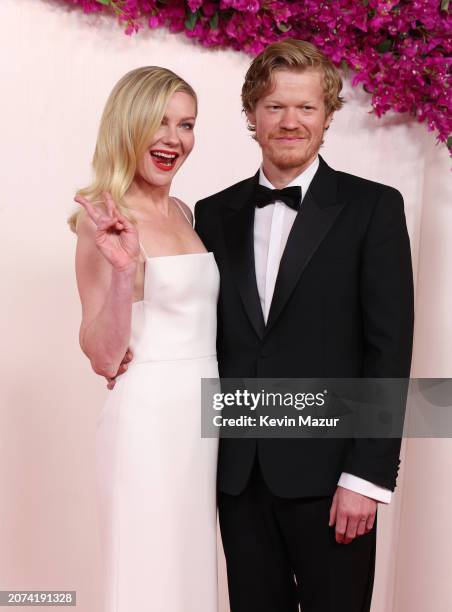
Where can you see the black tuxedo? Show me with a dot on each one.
(342, 307)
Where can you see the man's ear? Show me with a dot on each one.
(250, 117)
(328, 120)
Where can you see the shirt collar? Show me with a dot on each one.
(303, 180)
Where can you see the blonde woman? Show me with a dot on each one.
(147, 282)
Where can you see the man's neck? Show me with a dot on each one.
(281, 177)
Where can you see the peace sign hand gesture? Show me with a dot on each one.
(116, 236)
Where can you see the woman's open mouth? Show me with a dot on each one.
(164, 160)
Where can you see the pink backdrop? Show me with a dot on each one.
(57, 69)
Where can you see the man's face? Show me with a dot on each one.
(291, 119)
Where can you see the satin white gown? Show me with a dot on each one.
(156, 475)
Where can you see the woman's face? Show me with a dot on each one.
(172, 142)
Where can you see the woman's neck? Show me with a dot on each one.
(141, 198)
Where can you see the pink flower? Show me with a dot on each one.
(194, 5)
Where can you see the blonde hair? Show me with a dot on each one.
(290, 54)
(132, 115)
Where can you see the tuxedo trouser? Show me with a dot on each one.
(281, 553)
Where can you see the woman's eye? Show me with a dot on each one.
(188, 126)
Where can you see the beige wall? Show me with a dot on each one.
(57, 69)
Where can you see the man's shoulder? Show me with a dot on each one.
(364, 196)
(354, 186)
(225, 195)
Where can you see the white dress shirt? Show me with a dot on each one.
(272, 225)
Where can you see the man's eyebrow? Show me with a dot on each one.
(276, 101)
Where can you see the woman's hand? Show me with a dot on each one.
(116, 236)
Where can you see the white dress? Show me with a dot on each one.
(156, 475)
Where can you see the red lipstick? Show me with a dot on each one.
(164, 159)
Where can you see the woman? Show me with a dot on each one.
(146, 281)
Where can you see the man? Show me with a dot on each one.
(316, 281)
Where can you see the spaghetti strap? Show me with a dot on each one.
(146, 256)
(142, 250)
(182, 210)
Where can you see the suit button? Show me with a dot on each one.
(264, 352)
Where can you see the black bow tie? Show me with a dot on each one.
(289, 195)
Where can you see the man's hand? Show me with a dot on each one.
(353, 513)
(111, 382)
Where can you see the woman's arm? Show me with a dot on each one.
(106, 262)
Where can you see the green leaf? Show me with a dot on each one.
(104, 2)
(444, 5)
(384, 46)
(191, 20)
(214, 21)
(344, 66)
(283, 27)
(449, 142)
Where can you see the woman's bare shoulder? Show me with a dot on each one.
(186, 208)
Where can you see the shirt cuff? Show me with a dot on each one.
(369, 489)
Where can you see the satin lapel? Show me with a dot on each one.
(314, 220)
(238, 225)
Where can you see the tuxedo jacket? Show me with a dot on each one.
(342, 307)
